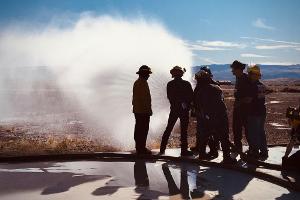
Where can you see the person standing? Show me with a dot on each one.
(257, 116)
(241, 104)
(180, 95)
(213, 143)
(211, 113)
(141, 101)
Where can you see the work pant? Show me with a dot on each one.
(183, 115)
(212, 142)
(141, 130)
(218, 128)
(257, 136)
(239, 121)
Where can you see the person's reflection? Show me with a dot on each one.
(140, 174)
(173, 189)
(142, 182)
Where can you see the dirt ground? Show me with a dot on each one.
(26, 138)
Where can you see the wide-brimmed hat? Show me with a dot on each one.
(177, 71)
(238, 65)
(144, 69)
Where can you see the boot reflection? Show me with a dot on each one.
(174, 191)
(140, 174)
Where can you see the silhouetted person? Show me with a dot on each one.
(180, 95)
(292, 162)
(258, 148)
(213, 142)
(211, 112)
(241, 103)
(141, 101)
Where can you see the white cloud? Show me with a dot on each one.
(203, 45)
(219, 44)
(259, 23)
(271, 40)
(269, 47)
(208, 60)
(271, 44)
(277, 63)
(198, 47)
(250, 55)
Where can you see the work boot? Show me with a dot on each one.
(147, 151)
(161, 153)
(144, 152)
(229, 160)
(213, 154)
(263, 156)
(186, 153)
(252, 155)
(195, 148)
(139, 151)
(204, 156)
(162, 149)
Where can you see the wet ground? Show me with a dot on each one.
(138, 179)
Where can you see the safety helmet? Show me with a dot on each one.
(177, 71)
(254, 69)
(207, 69)
(144, 69)
(238, 65)
(202, 75)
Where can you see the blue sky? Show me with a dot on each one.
(218, 31)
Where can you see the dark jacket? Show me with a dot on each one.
(242, 95)
(209, 102)
(180, 94)
(141, 98)
(210, 107)
(257, 104)
(242, 86)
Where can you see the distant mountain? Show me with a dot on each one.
(223, 71)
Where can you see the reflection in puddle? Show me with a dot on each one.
(133, 180)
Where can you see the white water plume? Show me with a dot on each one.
(92, 63)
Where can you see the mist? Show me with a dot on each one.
(87, 69)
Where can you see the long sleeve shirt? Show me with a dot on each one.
(180, 94)
(141, 98)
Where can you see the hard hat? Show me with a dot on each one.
(202, 74)
(238, 65)
(177, 71)
(207, 69)
(144, 69)
(254, 69)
